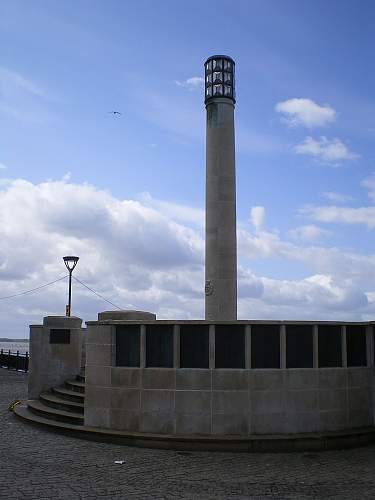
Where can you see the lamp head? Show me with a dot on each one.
(70, 262)
(219, 78)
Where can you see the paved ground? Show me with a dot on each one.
(36, 464)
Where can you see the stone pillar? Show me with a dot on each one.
(343, 347)
(142, 354)
(369, 346)
(248, 347)
(316, 346)
(221, 244)
(211, 348)
(112, 393)
(282, 347)
(55, 353)
(176, 346)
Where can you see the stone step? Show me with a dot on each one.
(25, 413)
(75, 385)
(39, 408)
(80, 378)
(65, 393)
(51, 399)
(256, 443)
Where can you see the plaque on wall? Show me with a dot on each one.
(208, 288)
(59, 336)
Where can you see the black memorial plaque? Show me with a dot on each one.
(265, 346)
(329, 342)
(159, 346)
(299, 346)
(59, 336)
(128, 341)
(356, 345)
(194, 346)
(229, 346)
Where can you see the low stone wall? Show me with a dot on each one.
(240, 402)
(215, 401)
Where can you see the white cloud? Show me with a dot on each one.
(10, 80)
(319, 296)
(339, 287)
(343, 215)
(177, 211)
(138, 255)
(133, 254)
(309, 232)
(257, 216)
(331, 151)
(317, 290)
(23, 99)
(369, 183)
(337, 197)
(343, 266)
(3, 167)
(67, 176)
(193, 83)
(305, 112)
(249, 285)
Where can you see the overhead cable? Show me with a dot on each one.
(96, 293)
(33, 289)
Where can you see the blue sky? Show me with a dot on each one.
(126, 192)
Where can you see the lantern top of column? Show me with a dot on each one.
(219, 78)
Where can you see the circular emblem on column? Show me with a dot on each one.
(209, 287)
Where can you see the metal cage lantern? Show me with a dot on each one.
(70, 262)
(219, 78)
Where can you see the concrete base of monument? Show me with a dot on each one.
(349, 438)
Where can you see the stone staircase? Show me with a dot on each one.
(60, 404)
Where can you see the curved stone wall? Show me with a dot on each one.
(216, 401)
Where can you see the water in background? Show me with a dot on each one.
(22, 347)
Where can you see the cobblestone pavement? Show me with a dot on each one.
(37, 464)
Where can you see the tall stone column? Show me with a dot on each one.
(221, 244)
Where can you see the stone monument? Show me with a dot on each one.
(217, 384)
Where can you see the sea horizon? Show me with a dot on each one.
(17, 345)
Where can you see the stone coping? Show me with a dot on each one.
(236, 322)
(126, 315)
(348, 438)
(62, 321)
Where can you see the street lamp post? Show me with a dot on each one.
(70, 262)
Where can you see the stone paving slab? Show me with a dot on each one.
(39, 465)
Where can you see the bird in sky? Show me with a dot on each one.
(115, 112)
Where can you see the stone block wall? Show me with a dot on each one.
(216, 401)
(51, 363)
(236, 402)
